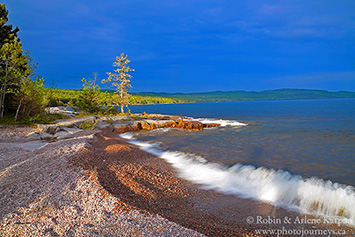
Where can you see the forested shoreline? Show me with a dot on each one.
(61, 97)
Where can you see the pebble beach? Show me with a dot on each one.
(94, 183)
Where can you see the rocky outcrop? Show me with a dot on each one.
(64, 128)
(75, 122)
(102, 125)
(46, 136)
(211, 125)
(188, 125)
(150, 124)
(71, 130)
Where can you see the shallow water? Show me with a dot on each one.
(273, 158)
(308, 137)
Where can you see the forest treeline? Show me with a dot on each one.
(60, 97)
(70, 97)
(279, 94)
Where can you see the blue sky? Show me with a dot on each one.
(193, 45)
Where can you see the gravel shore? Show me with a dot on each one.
(147, 183)
(44, 193)
(94, 183)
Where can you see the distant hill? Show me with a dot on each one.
(280, 94)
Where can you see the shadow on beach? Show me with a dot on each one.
(145, 182)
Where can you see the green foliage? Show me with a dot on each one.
(13, 68)
(142, 99)
(43, 118)
(13, 64)
(87, 125)
(7, 34)
(30, 98)
(121, 80)
(90, 99)
(46, 118)
(70, 98)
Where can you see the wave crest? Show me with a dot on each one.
(277, 187)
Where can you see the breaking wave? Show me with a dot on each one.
(222, 122)
(277, 187)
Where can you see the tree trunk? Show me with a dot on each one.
(122, 109)
(2, 105)
(1, 108)
(18, 109)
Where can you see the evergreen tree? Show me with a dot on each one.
(7, 34)
(13, 64)
(121, 80)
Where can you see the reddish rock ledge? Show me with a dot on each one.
(172, 122)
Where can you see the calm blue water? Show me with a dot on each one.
(305, 137)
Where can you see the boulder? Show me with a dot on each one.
(45, 127)
(102, 125)
(125, 126)
(211, 125)
(46, 136)
(150, 124)
(33, 136)
(53, 129)
(190, 125)
(61, 135)
(121, 123)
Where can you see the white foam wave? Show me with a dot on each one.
(127, 135)
(159, 130)
(280, 188)
(222, 122)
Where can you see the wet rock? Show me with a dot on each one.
(211, 125)
(190, 125)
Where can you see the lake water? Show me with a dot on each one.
(298, 154)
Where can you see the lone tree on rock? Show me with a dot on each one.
(120, 79)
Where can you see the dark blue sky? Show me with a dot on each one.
(193, 45)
